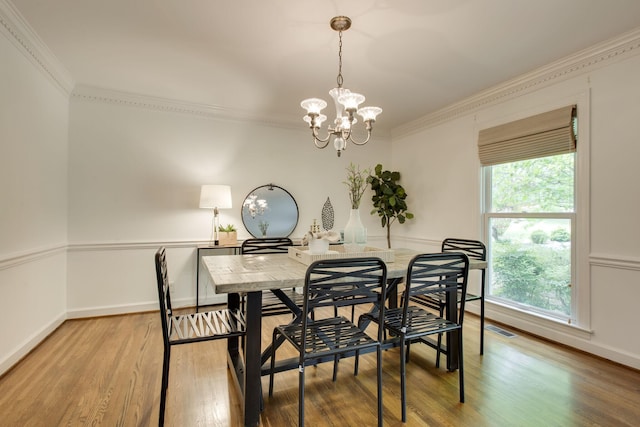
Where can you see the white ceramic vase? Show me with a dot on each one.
(355, 234)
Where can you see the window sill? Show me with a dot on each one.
(535, 324)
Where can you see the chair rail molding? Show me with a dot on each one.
(614, 261)
(25, 257)
(436, 243)
(35, 254)
(19, 32)
(123, 246)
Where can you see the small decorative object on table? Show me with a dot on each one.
(318, 241)
(227, 235)
(327, 215)
(301, 254)
(355, 234)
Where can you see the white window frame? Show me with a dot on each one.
(579, 324)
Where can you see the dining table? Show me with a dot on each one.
(249, 275)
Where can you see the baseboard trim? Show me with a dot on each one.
(114, 310)
(568, 335)
(34, 341)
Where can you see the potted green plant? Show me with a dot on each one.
(227, 235)
(388, 199)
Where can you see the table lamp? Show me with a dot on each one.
(215, 197)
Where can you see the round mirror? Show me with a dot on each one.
(270, 211)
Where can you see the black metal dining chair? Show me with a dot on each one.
(272, 304)
(266, 245)
(331, 283)
(188, 328)
(442, 275)
(474, 249)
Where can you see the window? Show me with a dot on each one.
(530, 216)
(530, 221)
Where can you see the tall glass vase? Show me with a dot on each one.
(355, 234)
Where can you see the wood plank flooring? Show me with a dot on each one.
(106, 371)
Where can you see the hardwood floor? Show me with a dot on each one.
(106, 371)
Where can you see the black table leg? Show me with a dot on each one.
(451, 313)
(266, 354)
(198, 279)
(246, 373)
(253, 364)
(392, 291)
(234, 358)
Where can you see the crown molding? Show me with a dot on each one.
(87, 93)
(19, 32)
(585, 61)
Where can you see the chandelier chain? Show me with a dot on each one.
(340, 79)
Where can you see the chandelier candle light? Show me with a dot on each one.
(346, 102)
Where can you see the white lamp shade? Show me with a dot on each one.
(215, 196)
(351, 100)
(369, 113)
(313, 105)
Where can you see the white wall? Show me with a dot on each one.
(439, 170)
(33, 211)
(615, 207)
(135, 176)
(442, 176)
(125, 177)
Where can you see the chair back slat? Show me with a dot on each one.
(344, 282)
(441, 276)
(474, 249)
(266, 245)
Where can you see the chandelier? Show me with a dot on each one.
(346, 106)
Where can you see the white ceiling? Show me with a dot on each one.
(261, 57)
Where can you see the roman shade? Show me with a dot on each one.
(542, 135)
